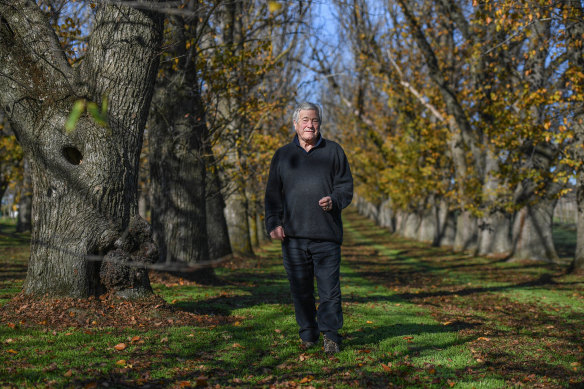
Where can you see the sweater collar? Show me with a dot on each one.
(318, 142)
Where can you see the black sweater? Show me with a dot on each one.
(298, 180)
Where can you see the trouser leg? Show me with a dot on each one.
(300, 271)
(327, 261)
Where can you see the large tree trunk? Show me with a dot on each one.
(217, 232)
(236, 215)
(466, 231)
(84, 181)
(575, 30)
(177, 135)
(532, 232)
(578, 262)
(494, 234)
(24, 221)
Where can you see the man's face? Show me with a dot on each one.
(307, 126)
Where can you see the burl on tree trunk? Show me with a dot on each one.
(85, 180)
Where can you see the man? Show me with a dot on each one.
(309, 184)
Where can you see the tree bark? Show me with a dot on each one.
(84, 181)
(466, 232)
(532, 231)
(236, 216)
(24, 221)
(177, 137)
(217, 232)
(575, 31)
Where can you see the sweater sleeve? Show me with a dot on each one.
(343, 183)
(274, 204)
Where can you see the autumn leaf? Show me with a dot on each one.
(274, 6)
(12, 351)
(306, 379)
(121, 362)
(68, 373)
(120, 346)
(201, 381)
(135, 339)
(386, 367)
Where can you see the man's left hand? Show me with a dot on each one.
(326, 203)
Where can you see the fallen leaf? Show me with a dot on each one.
(90, 385)
(483, 338)
(277, 330)
(201, 381)
(386, 367)
(184, 384)
(68, 373)
(121, 362)
(120, 346)
(11, 351)
(135, 339)
(306, 379)
(369, 322)
(237, 345)
(237, 324)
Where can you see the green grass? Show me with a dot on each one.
(415, 316)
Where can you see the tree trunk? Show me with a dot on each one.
(446, 226)
(24, 222)
(236, 216)
(84, 181)
(494, 234)
(144, 204)
(466, 232)
(577, 265)
(532, 233)
(177, 135)
(575, 30)
(429, 221)
(386, 216)
(217, 233)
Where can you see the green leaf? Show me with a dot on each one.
(75, 114)
(98, 116)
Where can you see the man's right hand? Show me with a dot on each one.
(277, 233)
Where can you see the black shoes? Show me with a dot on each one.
(330, 346)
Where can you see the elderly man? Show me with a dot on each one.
(309, 184)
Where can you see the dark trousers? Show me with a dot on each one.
(305, 259)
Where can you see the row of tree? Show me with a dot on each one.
(133, 111)
(464, 120)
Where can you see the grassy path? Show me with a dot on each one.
(415, 316)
